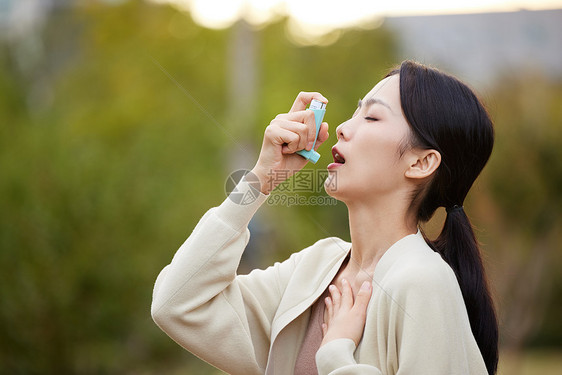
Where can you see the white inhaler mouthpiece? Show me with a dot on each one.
(319, 109)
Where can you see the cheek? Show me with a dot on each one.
(375, 168)
(380, 154)
(380, 166)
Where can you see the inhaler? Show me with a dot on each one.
(319, 110)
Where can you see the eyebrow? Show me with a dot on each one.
(372, 101)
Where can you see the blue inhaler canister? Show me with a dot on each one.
(319, 109)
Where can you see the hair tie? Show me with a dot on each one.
(454, 208)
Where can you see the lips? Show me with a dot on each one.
(338, 157)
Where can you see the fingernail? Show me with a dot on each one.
(365, 285)
(344, 281)
(309, 145)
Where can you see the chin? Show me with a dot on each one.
(349, 192)
(332, 186)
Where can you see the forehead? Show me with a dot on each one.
(387, 90)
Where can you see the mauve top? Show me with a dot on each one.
(306, 359)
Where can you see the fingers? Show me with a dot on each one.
(347, 294)
(323, 135)
(300, 138)
(345, 298)
(329, 309)
(336, 296)
(280, 136)
(304, 98)
(303, 123)
(362, 298)
(345, 315)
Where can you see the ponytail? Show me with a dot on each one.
(446, 116)
(458, 247)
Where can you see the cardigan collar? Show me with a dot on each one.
(399, 249)
(321, 270)
(298, 297)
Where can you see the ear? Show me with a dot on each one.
(423, 163)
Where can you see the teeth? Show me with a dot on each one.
(338, 158)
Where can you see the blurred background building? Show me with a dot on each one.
(484, 47)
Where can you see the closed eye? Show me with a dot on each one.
(371, 119)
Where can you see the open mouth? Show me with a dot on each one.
(338, 158)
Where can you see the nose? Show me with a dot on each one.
(339, 130)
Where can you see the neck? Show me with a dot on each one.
(374, 228)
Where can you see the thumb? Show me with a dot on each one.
(322, 135)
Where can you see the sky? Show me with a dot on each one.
(324, 16)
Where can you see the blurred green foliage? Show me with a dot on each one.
(524, 208)
(529, 135)
(108, 163)
(113, 145)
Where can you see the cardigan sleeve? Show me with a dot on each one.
(336, 358)
(200, 302)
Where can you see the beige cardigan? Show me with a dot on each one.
(253, 324)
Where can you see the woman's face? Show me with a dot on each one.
(370, 144)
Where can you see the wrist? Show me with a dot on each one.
(266, 185)
(327, 339)
(337, 336)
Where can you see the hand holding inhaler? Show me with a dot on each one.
(291, 139)
(319, 109)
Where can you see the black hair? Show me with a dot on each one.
(445, 115)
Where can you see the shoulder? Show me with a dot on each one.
(422, 287)
(423, 272)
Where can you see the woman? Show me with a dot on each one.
(389, 302)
